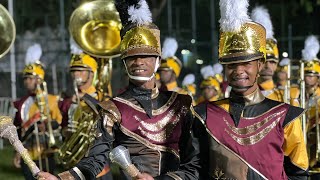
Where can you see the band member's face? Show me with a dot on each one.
(81, 77)
(166, 75)
(142, 66)
(311, 80)
(268, 68)
(243, 76)
(30, 83)
(282, 76)
(209, 92)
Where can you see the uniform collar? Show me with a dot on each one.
(143, 96)
(254, 98)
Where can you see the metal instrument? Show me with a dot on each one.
(313, 135)
(72, 123)
(121, 156)
(310, 124)
(50, 137)
(43, 103)
(7, 31)
(95, 27)
(286, 96)
(303, 100)
(76, 147)
(104, 77)
(317, 134)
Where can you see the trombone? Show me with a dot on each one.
(45, 117)
(303, 100)
(286, 94)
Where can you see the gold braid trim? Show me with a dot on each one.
(174, 176)
(147, 143)
(154, 112)
(66, 176)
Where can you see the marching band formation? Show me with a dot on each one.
(238, 123)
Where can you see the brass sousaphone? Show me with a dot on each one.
(95, 27)
(7, 31)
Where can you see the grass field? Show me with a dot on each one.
(7, 170)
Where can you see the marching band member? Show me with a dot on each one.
(189, 85)
(170, 67)
(155, 126)
(209, 86)
(32, 115)
(248, 136)
(266, 83)
(312, 94)
(282, 75)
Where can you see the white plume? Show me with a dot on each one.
(188, 79)
(33, 54)
(234, 13)
(140, 13)
(284, 62)
(261, 15)
(311, 48)
(218, 68)
(74, 48)
(207, 71)
(169, 48)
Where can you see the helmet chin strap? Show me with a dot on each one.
(142, 78)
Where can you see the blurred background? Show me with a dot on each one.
(194, 23)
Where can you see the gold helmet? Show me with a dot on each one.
(80, 60)
(283, 65)
(171, 63)
(241, 40)
(261, 15)
(139, 36)
(169, 60)
(309, 55)
(209, 80)
(33, 67)
(272, 50)
(188, 83)
(218, 68)
(83, 62)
